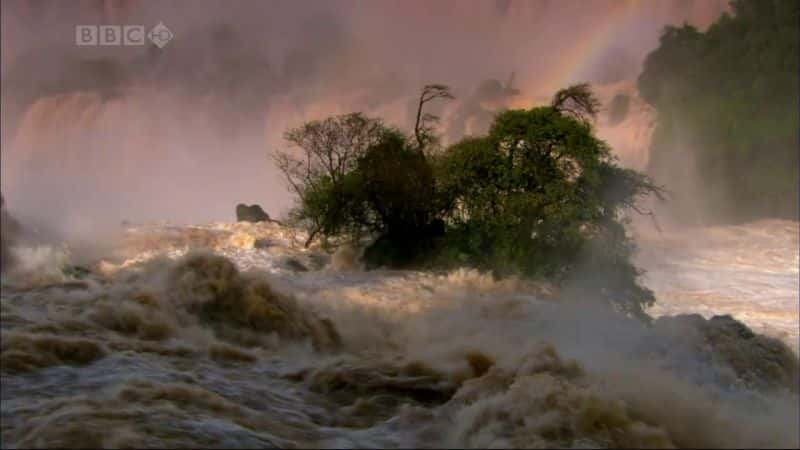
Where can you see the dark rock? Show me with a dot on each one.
(318, 261)
(262, 243)
(77, 272)
(758, 361)
(618, 109)
(295, 265)
(253, 214)
(730, 326)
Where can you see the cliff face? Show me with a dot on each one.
(9, 230)
(626, 123)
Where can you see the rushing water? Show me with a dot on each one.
(268, 344)
(258, 342)
(749, 271)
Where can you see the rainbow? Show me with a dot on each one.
(573, 66)
(592, 44)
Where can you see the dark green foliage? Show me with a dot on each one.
(398, 203)
(76, 272)
(398, 186)
(727, 102)
(539, 196)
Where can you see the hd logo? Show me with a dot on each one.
(122, 35)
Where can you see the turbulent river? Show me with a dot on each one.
(257, 342)
(749, 271)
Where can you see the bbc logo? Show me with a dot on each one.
(121, 35)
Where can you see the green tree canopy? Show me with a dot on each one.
(727, 102)
(539, 196)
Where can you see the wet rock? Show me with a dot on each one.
(77, 272)
(261, 244)
(317, 261)
(253, 214)
(759, 362)
(294, 265)
(618, 109)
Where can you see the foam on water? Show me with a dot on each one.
(234, 335)
(749, 271)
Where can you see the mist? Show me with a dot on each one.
(96, 135)
(513, 290)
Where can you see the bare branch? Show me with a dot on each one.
(325, 151)
(577, 101)
(421, 128)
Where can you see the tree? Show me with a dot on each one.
(399, 194)
(541, 196)
(317, 163)
(577, 101)
(423, 126)
(398, 185)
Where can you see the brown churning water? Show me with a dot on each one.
(232, 347)
(234, 335)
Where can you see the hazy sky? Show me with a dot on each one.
(100, 134)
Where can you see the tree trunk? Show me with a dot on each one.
(311, 237)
